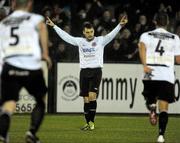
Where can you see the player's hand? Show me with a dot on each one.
(49, 22)
(147, 69)
(123, 20)
(48, 60)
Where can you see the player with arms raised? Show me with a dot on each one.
(91, 50)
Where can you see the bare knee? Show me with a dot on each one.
(9, 106)
(86, 99)
(163, 106)
(92, 96)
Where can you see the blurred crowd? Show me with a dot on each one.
(105, 15)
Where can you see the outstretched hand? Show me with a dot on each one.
(49, 22)
(123, 20)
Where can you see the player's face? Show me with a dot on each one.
(88, 33)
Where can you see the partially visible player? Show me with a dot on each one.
(91, 50)
(2, 13)
(23, 44)
(158, 49)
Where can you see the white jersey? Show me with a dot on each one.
(90, 52)
(161, 49)
(19, 41)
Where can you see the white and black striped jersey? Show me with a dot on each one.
(19, 41)
(90, 52)
(161, 49)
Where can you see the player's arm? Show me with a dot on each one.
(110, 36)
(64, 35)
(177, 59)
(142, 55)
(43, 33)
(177, 50)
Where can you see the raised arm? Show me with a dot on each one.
(110, 36)
(64, 35)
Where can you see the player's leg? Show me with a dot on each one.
(150, 94)
(9, 95)
(92, 109)
(93, 92)
(86, 114)
(163, 119)
(165, 97)
(37, 117)
(8, 109)
(84, 86)
(35, 84)
(86, 109)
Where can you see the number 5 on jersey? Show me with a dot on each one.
(14, 36)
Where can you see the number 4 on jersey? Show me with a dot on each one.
(160, 49)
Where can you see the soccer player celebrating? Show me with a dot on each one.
(21, 52)
(158, 49)
(91, 50)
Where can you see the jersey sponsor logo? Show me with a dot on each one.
(13, 51)
(161, 35)
(15, 20)
(155, 60)
(89, 50)
(89, 56)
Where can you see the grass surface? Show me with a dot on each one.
(108, 129)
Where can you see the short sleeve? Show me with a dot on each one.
(37, 19)
(144, 38)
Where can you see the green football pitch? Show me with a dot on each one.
(109, 129)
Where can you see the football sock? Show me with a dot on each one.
(163, 120)
(93, 106)
(86, 112)
(4, 123)
(37, 117)
(149, 102)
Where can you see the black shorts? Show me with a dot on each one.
(13, 79)
(90, 80)
(161, 90)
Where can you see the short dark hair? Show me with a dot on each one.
(87, 24)
(161, 19)
(22, 3)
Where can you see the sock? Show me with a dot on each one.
(4, 123)
(37, 117)
(93, 106)
(163, 120)
(86, 112)
(149, 102)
